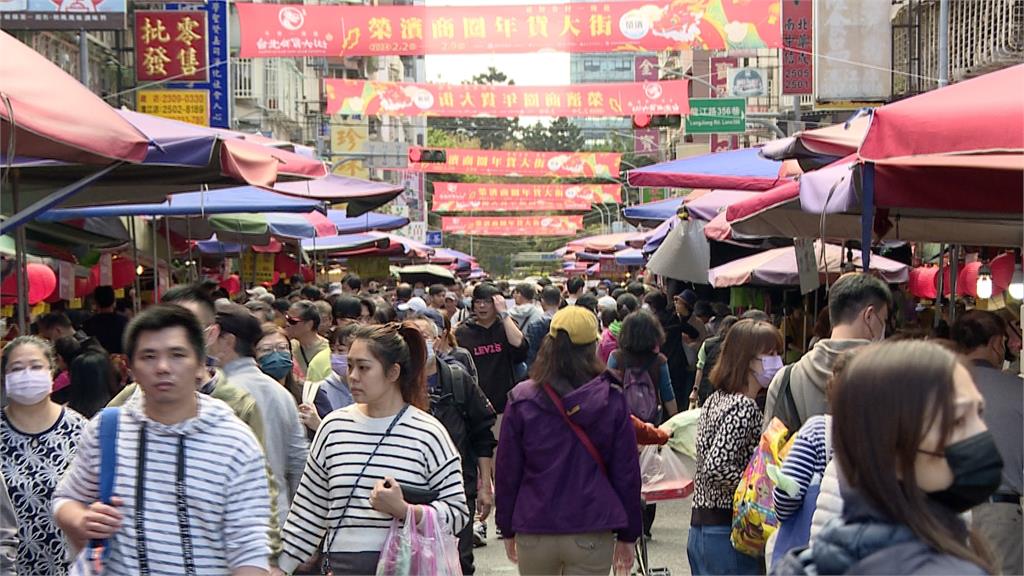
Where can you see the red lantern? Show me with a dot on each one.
(42, 282)
(122, 273)
(232, 284)
(83, 287)
(922, 282)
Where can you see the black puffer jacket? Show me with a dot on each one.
(864, 542)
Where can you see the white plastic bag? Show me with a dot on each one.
(663, 475)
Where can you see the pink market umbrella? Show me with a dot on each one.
(54, 116)
(778, 268)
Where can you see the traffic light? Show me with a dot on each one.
(641, 121)
(427, 156)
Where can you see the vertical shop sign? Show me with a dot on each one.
(797, 45)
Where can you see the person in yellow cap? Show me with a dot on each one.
(567, 476)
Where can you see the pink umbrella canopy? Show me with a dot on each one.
(983, 114)
(54, 116)
(778, 267)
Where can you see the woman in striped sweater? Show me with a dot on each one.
(363, 454)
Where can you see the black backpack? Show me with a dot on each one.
(448, 404)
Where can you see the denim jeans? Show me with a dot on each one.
(710, 552)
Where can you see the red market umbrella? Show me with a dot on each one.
(983, 114)
(54, 116)
(42, 281)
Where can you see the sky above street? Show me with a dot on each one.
(539, 69)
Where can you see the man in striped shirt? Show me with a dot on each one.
(190, 491)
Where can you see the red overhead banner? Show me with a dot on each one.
(797, 41)
(294, 31)
(524, 163)
(512, 226)
(461, 197)
(362, 97)
(170, 45)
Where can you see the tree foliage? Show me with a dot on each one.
(490, 133)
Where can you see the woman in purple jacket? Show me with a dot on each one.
(567, 476)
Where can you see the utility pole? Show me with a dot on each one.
(943, 43)
(83, 57)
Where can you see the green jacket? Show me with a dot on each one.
(244, 406)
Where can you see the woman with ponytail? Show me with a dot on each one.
(365, 454)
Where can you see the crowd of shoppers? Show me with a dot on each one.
(284, 431)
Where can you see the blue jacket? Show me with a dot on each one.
(545, 480)
(865, 542)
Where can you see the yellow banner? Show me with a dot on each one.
(264, 264)
(370, 267)
(192, 106)
(350, 138)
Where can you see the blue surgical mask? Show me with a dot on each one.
(339, 363)
(276, 364)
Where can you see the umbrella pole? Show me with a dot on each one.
(954, 269)
(188, 239)
(136, 281)
(938, 296)
(21, 264)
(156, 266)
(170, 253)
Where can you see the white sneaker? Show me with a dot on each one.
(479, 534)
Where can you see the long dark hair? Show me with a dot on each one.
(560, 359)
(745, 341)
(876, 448)
(640, 338)
(402, 344)
(92, 377)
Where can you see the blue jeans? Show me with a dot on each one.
(710, 552)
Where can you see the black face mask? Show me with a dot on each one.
(977, 471)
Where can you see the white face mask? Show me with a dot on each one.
(29, 387)
(430, 349)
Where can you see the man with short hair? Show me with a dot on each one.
(526, 309)
(286, 448)
(461, 406)
(435, 296)
(309, 349)
(311, 293)
(193, 493)
(346, 308)
(981, 335)
(56, 325)
(106, 325)
(403, 293)
(574, 289)
(214, 382)
(858, 305)
(550, 300)
(351, 284)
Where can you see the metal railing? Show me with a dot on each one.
(983, 36)
(241, 77)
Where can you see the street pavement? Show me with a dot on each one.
(666, 550)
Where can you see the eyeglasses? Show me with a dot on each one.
(292, 320)
(282, 347)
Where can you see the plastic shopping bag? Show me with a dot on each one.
(663, 475)
(424, 550)
(683, 428)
